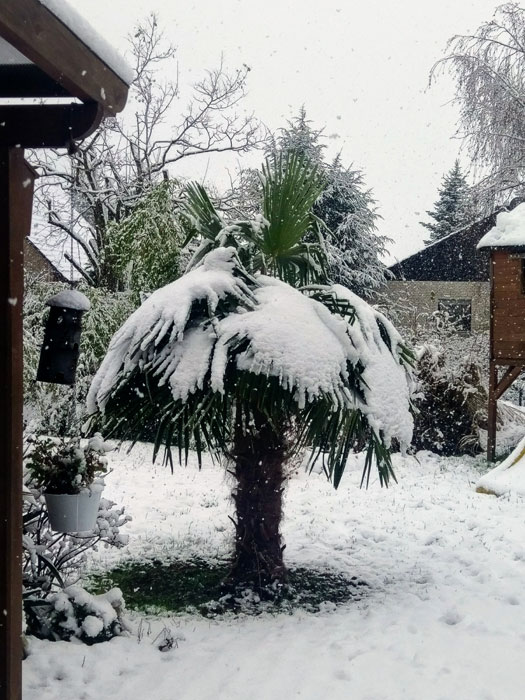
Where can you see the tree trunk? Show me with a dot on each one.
(259, 455)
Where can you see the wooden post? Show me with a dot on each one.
(492, 412)
(16, 190)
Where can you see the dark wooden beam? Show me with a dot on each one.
(28, 80)
(505, 382)
(46, 41)
(48, 126)
(16, 194)
(492, 413)
(497, 387)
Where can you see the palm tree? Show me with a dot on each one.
(244, 365)
(285, 240)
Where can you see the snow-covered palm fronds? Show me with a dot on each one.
(219, 341)
(273, 242)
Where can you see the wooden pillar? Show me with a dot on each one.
(492, 412)
(16, 190)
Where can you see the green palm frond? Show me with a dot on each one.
(291, 185)
(247, 330)
(199, 211)
(204, 422)
(285, 241)
(330, 426)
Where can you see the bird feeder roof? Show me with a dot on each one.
(70, 299)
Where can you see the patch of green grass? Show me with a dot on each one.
(198, 586)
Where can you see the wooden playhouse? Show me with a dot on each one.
(506, 244)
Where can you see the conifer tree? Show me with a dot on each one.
(453, 208)
(346, 208)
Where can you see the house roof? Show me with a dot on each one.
(63, 253)
(49, 51)
(52, 39)
(453, 258)
(57, 274)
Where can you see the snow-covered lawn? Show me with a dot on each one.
(443, 617)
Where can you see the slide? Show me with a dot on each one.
(509, 476)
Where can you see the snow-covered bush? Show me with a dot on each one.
(74, 612)
(451, 403)
(451, 377)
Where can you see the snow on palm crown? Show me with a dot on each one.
(288, 335)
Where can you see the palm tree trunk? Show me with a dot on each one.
(259, 455)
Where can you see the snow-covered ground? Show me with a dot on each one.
(443, 617)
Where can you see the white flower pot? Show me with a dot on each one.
(73, 512)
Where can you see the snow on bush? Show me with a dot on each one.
(451, 404)
(73, 612)
(52, 564)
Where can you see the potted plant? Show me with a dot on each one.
(69, 476)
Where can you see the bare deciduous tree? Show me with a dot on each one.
(489, 69)
(83, 192)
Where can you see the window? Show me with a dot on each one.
(458, 312)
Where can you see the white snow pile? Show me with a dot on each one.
(509, 230)
(442, 616)
(290, 336)
(507, 477)
(86, 616)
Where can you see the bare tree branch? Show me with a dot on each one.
(103, 180)
(489, 69)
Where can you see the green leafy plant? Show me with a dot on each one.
(63, 466)
(143, 249)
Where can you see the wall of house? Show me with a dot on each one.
(508, 341)
(416, 299)
(36, 264)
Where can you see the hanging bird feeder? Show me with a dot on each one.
(61, 346)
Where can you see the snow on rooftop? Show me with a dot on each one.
(90, 37)
(509, 230)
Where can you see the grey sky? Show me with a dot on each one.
(361, 70)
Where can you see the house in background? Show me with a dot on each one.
(37, 264)
(50, 257)
(450, 276)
